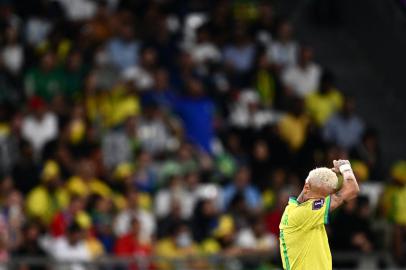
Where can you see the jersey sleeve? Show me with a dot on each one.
(314, 213)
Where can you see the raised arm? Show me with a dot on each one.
(350, 188)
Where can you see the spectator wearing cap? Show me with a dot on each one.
(49, 197)
(302, 78)
(39, 126)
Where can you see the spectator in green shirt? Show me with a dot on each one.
(45, 80)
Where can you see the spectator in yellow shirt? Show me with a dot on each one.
(85, 182)
(325, 102)
(294, 125)
(178, 245)
(50, 196)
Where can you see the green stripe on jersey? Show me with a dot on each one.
(285, 251)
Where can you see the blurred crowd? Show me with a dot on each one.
(171, 128)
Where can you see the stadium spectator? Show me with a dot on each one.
(345, 128)
(242, 185)
(49, 197)
(196, 110)
(71, 248)
(39, 126)
(322, 104)
(30, 246)
(130, 245)
(283, 51)
(293, 127)
(123, 50)
(46, 79)
(302, 78)
(133, 209)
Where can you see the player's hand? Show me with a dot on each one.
(341, 162)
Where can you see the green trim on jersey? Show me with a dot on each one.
(326, 213)
(285, 250)
(293, 200)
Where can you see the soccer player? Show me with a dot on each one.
(303, 238)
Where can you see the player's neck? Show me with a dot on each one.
(305, 197)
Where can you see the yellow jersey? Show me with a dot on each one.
(303, 238)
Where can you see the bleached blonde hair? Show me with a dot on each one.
(322, 177)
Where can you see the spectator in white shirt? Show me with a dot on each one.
(256, 239)
(283, 51)
(302, 78)
(40, 126)
(122, 224)
(12, 54)
(71, 250)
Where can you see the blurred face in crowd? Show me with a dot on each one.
(240, 35)
(74, 61)
(74, 236)
(132, 199)
(297, 106)
(285, 31)
(126, 32)
(48, 61)
(258, 228)
(209, 208)
(263, 62)
(86, 170)
(192, 180)
(32, 233)
(183, 237)
(11, 35)
(195, 88)
(161, 79)
(135, 227)
(305, 56)
(261, 150)
(278, 179)
(203, 35)
(348, 107)
(149, 57)
(77, 204)
(242, 178)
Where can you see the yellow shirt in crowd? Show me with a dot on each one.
(44, 204)
(293, 130)
(321, 106)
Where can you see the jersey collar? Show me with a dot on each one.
(293, 200)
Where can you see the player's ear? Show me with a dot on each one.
(306, 187)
